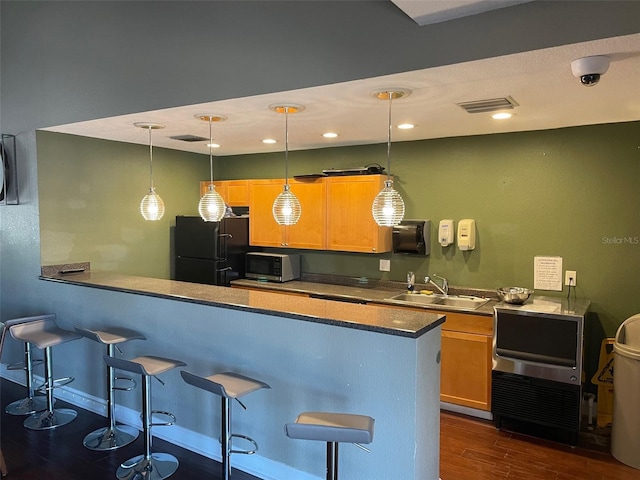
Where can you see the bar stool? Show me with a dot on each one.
(44, 333)
(31, 403)
(112, 436)
(333, 428)
(228, 386)
(149, 466)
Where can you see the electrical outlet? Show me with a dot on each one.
(385, 265)
(570, 278)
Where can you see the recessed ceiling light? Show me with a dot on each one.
(269, 140)
(213, 145)
(501, 116)
(406, 126)
(330, 135)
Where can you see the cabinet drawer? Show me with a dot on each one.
(462, 322)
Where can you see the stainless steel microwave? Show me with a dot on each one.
(275, 267)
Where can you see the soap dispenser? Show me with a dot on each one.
(411, 282)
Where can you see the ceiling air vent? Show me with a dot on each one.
(189, 138)
(490, 105)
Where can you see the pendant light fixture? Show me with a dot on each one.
(286, 207)
(388, 206)
(151, 206)
(211, 206)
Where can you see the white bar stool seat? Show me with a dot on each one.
(31, 403)
(45, 334)
(333, 428)
(228, 386)
(112, 436)
(149, 466)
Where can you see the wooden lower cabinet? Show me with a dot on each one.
(466, 360)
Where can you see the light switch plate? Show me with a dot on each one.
(385, 265)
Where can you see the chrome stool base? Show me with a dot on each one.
(158, 467)
(27, 406)
(49, 420)
(108, 438)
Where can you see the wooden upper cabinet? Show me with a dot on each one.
(234, 192)
(350, 223)
(308, 233)
(263, 229)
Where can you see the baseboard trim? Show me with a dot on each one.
(255, 464)
(473, 412)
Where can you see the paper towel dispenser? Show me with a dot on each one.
(412, 237)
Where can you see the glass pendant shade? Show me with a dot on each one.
(286, 208)
(388, 206)
(151, 206)
(211, 206)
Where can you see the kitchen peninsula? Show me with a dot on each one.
(315, 354)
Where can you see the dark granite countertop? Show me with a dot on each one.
(366, 293)
(411, 323)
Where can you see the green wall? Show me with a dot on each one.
(90, 192)
(569, 192)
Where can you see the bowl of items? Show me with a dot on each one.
(515, 295)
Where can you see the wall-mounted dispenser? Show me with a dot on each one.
(446, 232)
(412, 237)
(467, 234)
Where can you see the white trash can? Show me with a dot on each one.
(625, 427)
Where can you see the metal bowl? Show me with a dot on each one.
(516, 295)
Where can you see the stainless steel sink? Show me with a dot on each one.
(416, 298)
(444, 302)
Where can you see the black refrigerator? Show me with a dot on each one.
(210, 252)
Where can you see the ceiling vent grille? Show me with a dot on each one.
(189, 138)
(490, 105)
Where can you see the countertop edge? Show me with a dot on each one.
(115, 283)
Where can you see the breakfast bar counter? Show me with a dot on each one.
(317, 355)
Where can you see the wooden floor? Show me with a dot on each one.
(476, 450)
(470, 450)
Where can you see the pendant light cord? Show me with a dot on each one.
(389, 139)
(286, 145)
(210, 150)
(150, 161)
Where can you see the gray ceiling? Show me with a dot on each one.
(540, 81)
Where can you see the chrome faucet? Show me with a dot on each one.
(445, 283)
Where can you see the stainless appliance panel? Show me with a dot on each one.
(542, 339)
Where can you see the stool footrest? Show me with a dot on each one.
(248, 439)
(131, 381)
(163, 424)
(57, 382)
(21, 366)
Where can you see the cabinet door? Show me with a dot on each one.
(236, 193)
(310, 231)
(466, 369)
(263, 229)
(221, 188)
(350, 223)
